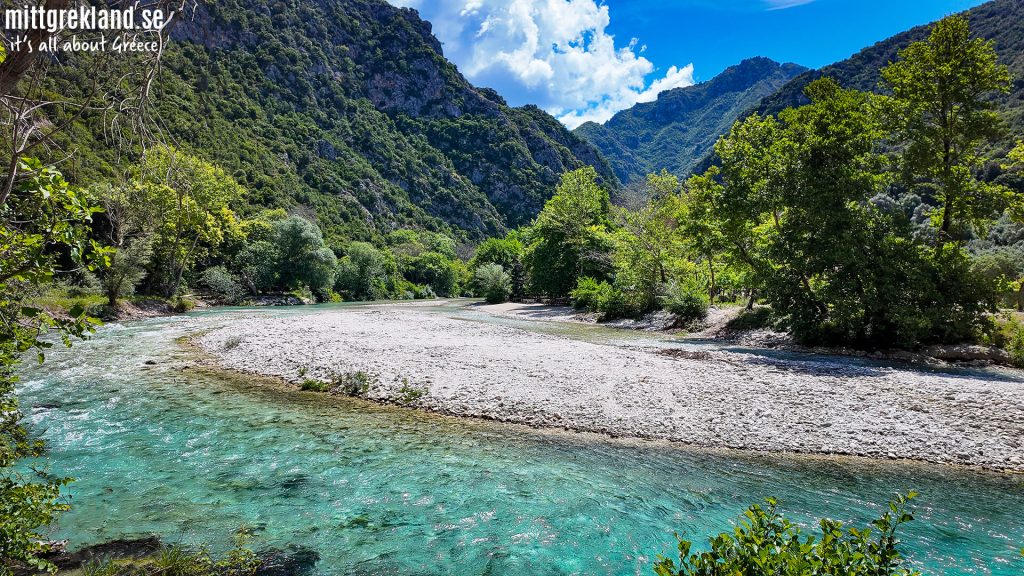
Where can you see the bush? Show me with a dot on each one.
(182, 304)
(493, 283)
(768, 544)
(688, 300)
(755, 319)
(352, 383)
(411, 394)
(311, 385)
(600, 297)
(363, 272)
(224, 285)
(1010, 337)
(422, 292)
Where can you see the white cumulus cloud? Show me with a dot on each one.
(557, 54)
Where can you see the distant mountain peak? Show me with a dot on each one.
(675, 130)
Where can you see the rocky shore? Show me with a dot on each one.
(702, 396)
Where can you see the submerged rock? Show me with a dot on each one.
(294, 560)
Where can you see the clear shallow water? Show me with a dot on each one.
(160, 449)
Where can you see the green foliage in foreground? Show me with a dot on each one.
(42, 217)
(766, 544)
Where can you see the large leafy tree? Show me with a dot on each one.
(190, 198)
(650, 251)
(941, 110)
(795, 204)
(569, 239)
(303, 260)
(366, 272)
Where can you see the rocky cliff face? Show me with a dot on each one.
(678, 129)
(350, 108)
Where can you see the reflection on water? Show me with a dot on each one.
(190, 456)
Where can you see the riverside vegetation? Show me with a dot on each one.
(806, 213)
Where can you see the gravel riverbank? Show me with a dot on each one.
(710, 397)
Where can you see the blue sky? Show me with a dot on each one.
(587, 59)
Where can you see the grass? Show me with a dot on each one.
(62, 299)
(410, 394)
(310, 385)
(232, 342)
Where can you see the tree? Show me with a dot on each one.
(795, 204)
(765, 543)
(649, 250)
(365, 273)
(302, 257)
(940, 108)
(507, 252)
(569, 240)
(435, 270)
(130, 221)
(1015, 159)
(257, 266)
(42, 217)
(190, 198)
(493, 283)
(702, 229)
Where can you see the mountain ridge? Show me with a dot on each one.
(348, 109)
(673, 131)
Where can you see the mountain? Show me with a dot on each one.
(676, 131)
(349, 109)
(1001, 21)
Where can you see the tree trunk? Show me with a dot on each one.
(18, 62)
(712, 290)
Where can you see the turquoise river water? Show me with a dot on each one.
(190, 456)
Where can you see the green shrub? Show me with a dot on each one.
(181, 304)
(224, 285)
(493, 283)
(688, 300)
(586, 294)
(755, 319)
(356, 383)
(303, 293)
(310, 385)
(1010, 337)
(766, 544)
(423, 292)
(600, 297)
(410, 394)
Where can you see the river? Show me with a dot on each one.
(159, 446)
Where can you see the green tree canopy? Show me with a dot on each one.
(190, 198)
(569, 239)
(942, 112)
(302, 257)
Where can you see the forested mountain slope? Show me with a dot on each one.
(1001, 21)
(676, 131)
(349, 108)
